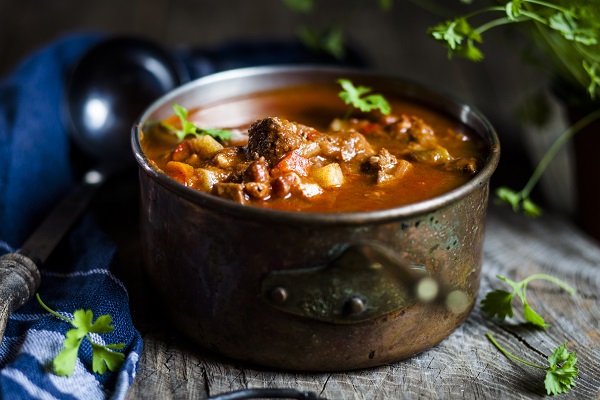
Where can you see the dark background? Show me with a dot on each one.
(392, 42)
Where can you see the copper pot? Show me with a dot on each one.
(307, 291)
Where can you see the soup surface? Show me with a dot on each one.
(299, 149)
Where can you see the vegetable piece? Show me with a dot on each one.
(560, 372)
(499, 302)
(292, 162)
(328, 176)
(436, 156)
(353, 96)
(205, 146)
(103, 356)
(189, 128)
(181, 172)
(206, 179)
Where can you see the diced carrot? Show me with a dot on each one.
(181, 172)
(292, 162)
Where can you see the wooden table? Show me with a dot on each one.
(464, 365)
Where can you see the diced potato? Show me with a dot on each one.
(205, 146)
(206, 179)
(328, 176)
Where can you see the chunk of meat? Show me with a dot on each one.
(345, 147)
(283, 185)
(257, 171)
(386, 166)
(231, 191)
(412, 129)
(468, 165)
(257, 180)
(273, 138)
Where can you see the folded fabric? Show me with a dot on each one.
(36, 171)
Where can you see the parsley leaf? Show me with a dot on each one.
(103, 356)
(189, 128)
(355, 96)
(454, 34)
(559, 378)
(302, 6)
(499, 302)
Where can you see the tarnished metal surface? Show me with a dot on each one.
(210, 260)
(352, 288)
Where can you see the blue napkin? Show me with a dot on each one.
(36, 171)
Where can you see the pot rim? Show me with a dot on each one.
(464, 113)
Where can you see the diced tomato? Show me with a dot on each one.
(368, 128)
(292, 162)
(181, 152)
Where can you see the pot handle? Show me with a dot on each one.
(367, 280)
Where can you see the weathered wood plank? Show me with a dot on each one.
(464, 365)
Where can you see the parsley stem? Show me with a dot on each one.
(483, 11)
(549, 156)
(506, 353)
(37, 295)
(498, 22)
(549, 5)
(549, 278)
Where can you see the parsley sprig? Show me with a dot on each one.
(569, 31)
(103, 356)
(359, 98)
(560, 372)
(189, 128)
(521, 201)
(499, 302)
(577, 25)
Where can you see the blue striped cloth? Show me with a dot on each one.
(35, 172)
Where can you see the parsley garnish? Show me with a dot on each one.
(499, 302)
(103, 356)
(356, 97)
(520, 201)
(189, 128)
(560, 372)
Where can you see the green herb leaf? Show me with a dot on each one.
(498, 303)
(102, 355)
(302, 6)
(559, 378)
(189, 128)
(330, 41)
(64, 362)
(355, 96)
(518, 201)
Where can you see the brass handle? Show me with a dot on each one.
(367, 280)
